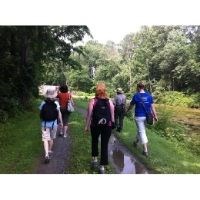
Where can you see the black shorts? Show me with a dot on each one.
(65, 116)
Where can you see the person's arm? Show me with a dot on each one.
(60, 118)
(59, 113)
(154, 112)
(72, 99)
(132, 103)
(89, 114)
(112, 111)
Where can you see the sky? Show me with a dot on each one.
(103, 33)
(107, 19)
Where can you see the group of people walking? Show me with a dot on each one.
(103, 115)
(54, 117)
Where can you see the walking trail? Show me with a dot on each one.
(121, 159)
(59, 160)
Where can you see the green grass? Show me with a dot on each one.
(166, 156)
(20, 144)
(81, 147)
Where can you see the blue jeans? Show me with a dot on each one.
(141, 130)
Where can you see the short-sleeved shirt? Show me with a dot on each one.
(120, 99)
(50, 123)
(137, 101)
(63, 99)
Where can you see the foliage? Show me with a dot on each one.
(31, 55)
(20, 143)
(176, 99)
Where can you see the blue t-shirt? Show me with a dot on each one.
(137, 101)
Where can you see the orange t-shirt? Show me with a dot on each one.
(63, 99)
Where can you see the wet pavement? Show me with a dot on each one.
(122, 160)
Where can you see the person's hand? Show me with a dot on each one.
(156, 119)
(86, 129)
(113, 125)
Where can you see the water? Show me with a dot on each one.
(122, 160)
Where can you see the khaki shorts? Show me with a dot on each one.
(49, 133)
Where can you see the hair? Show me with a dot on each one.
(63, 88)
(140, 85)
(101, 90)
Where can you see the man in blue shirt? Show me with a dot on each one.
(144, 104)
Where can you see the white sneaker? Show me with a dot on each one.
(65, 135)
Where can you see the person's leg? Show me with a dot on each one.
(121, 119)
(46, 139)
(95, 139)
(140, 123)
(105, 136)
(116, 119)
(65, 123)
(52, 137)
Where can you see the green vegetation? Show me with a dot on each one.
(169, 150)
(20, 143)
(81, 147)
(166, 156)
(33, 55)
(175, 98)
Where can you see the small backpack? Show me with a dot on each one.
(49, 111)
(101, 115)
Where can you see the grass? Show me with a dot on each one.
(166, 156)
(20, 144)
(81, 147)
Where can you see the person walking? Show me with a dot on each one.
(49, 114)
(64, 96)
(120, 106)
(143, 102)
(100, 119)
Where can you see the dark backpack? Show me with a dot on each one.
(101, 115)
(49, 111)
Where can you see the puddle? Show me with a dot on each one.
(122, 160)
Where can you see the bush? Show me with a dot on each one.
(175, 98)
(167, 128)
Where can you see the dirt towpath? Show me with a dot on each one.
(59, 160)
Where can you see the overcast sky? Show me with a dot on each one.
(107, 19)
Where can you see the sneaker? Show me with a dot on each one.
(94, 165)
(47, 160)
(60, 134)
(135, 143)
(50, 153)
(118, 129)
(101, 170)
(145, 154)
(65, 135)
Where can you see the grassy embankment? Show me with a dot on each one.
(20, 144)
(166, 156)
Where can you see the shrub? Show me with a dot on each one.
(175, 98)
(167, 128)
